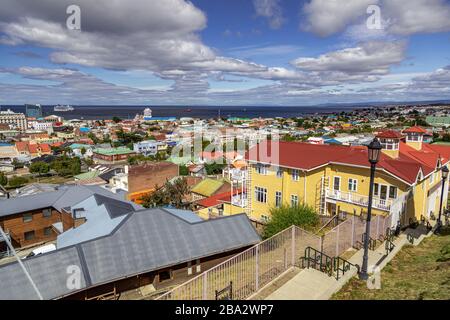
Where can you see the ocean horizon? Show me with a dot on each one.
(91, 112)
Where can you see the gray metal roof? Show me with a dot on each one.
(144, 241)
(64, 197)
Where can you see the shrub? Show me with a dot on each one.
(283, 217)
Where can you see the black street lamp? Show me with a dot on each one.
(374, 150)
(444, 177)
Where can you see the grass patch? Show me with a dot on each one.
(416, 273)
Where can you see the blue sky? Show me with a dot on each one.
(217, 52)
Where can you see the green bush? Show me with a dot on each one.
(283, 217)
(16, 181)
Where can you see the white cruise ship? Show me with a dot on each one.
(61, 108)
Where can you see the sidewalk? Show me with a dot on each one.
(311, 284)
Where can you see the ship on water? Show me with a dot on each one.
(61, 108)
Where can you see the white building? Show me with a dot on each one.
(13, 119)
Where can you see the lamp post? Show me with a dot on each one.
(444, 177)
(374, 150)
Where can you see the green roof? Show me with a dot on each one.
(437, 120)
(87, 175)
(207, 187)
(113, 151)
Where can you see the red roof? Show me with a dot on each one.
(217, 199)
(307, 156)
(390, 134)
(415, 129)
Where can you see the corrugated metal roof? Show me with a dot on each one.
(145, 240)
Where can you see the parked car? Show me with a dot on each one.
(41, 250)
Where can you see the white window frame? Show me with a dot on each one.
(352, 185)
(334, 178)
(261, 169)
(279, 172)
(278, 199)
(389, 192)
(296, 176)
(263, 192)
(294, 200)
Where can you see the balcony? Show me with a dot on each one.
(358, 199)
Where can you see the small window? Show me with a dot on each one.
(198, 267)
(261, 169)
(279, 173)
(337, 183)
(294, 200)
(295, 175)
(278, 199)
(392, 192)
(189, 266)
(47, 213)
(352, 185)
(48, 231)
(27, 217)
(165, 275)
(264, 218)
(29, 235)
(261, 194)
(376, 189)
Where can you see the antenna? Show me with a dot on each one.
(2, 233)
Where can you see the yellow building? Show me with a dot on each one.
(335, 179)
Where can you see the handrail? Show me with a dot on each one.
(346, 265)
(320, 261)
(326, 224)
(382, 204)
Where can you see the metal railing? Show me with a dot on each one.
(359, 199)
(250, 270)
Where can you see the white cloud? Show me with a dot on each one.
(271, 10)
(327, 17)
(417, 16)
(399, 17)
(371, 58)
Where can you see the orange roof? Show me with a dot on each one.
(389, 134)
(415, 129)
(217, 199)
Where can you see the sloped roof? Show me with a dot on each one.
(64, 197)
(207, 187)
(144, 241)
(415, 129)
(390, 134)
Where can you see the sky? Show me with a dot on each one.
(224, 52)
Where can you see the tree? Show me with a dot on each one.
(16, 181)
(116, 119)
(172, 193)
(39, 167)
(184, 171)
(3, 179)
(214, 168)
(65, 166)
(283, 217)
(83, 151)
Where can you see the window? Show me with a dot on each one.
(294, 200)
(337, 183)
(295, 175)
(189, 266)
(261, 169)
(264, 218)
(261, 194)
(29, 235)
(392, 192)
(165, 275)
(279, 173)
(48, 231)
(413, 137)
(376, 189)
(432, 178)
(278, 199)
(352, 184)
(27, 217)
(46, 213)
(198, 268)
(389, 144)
